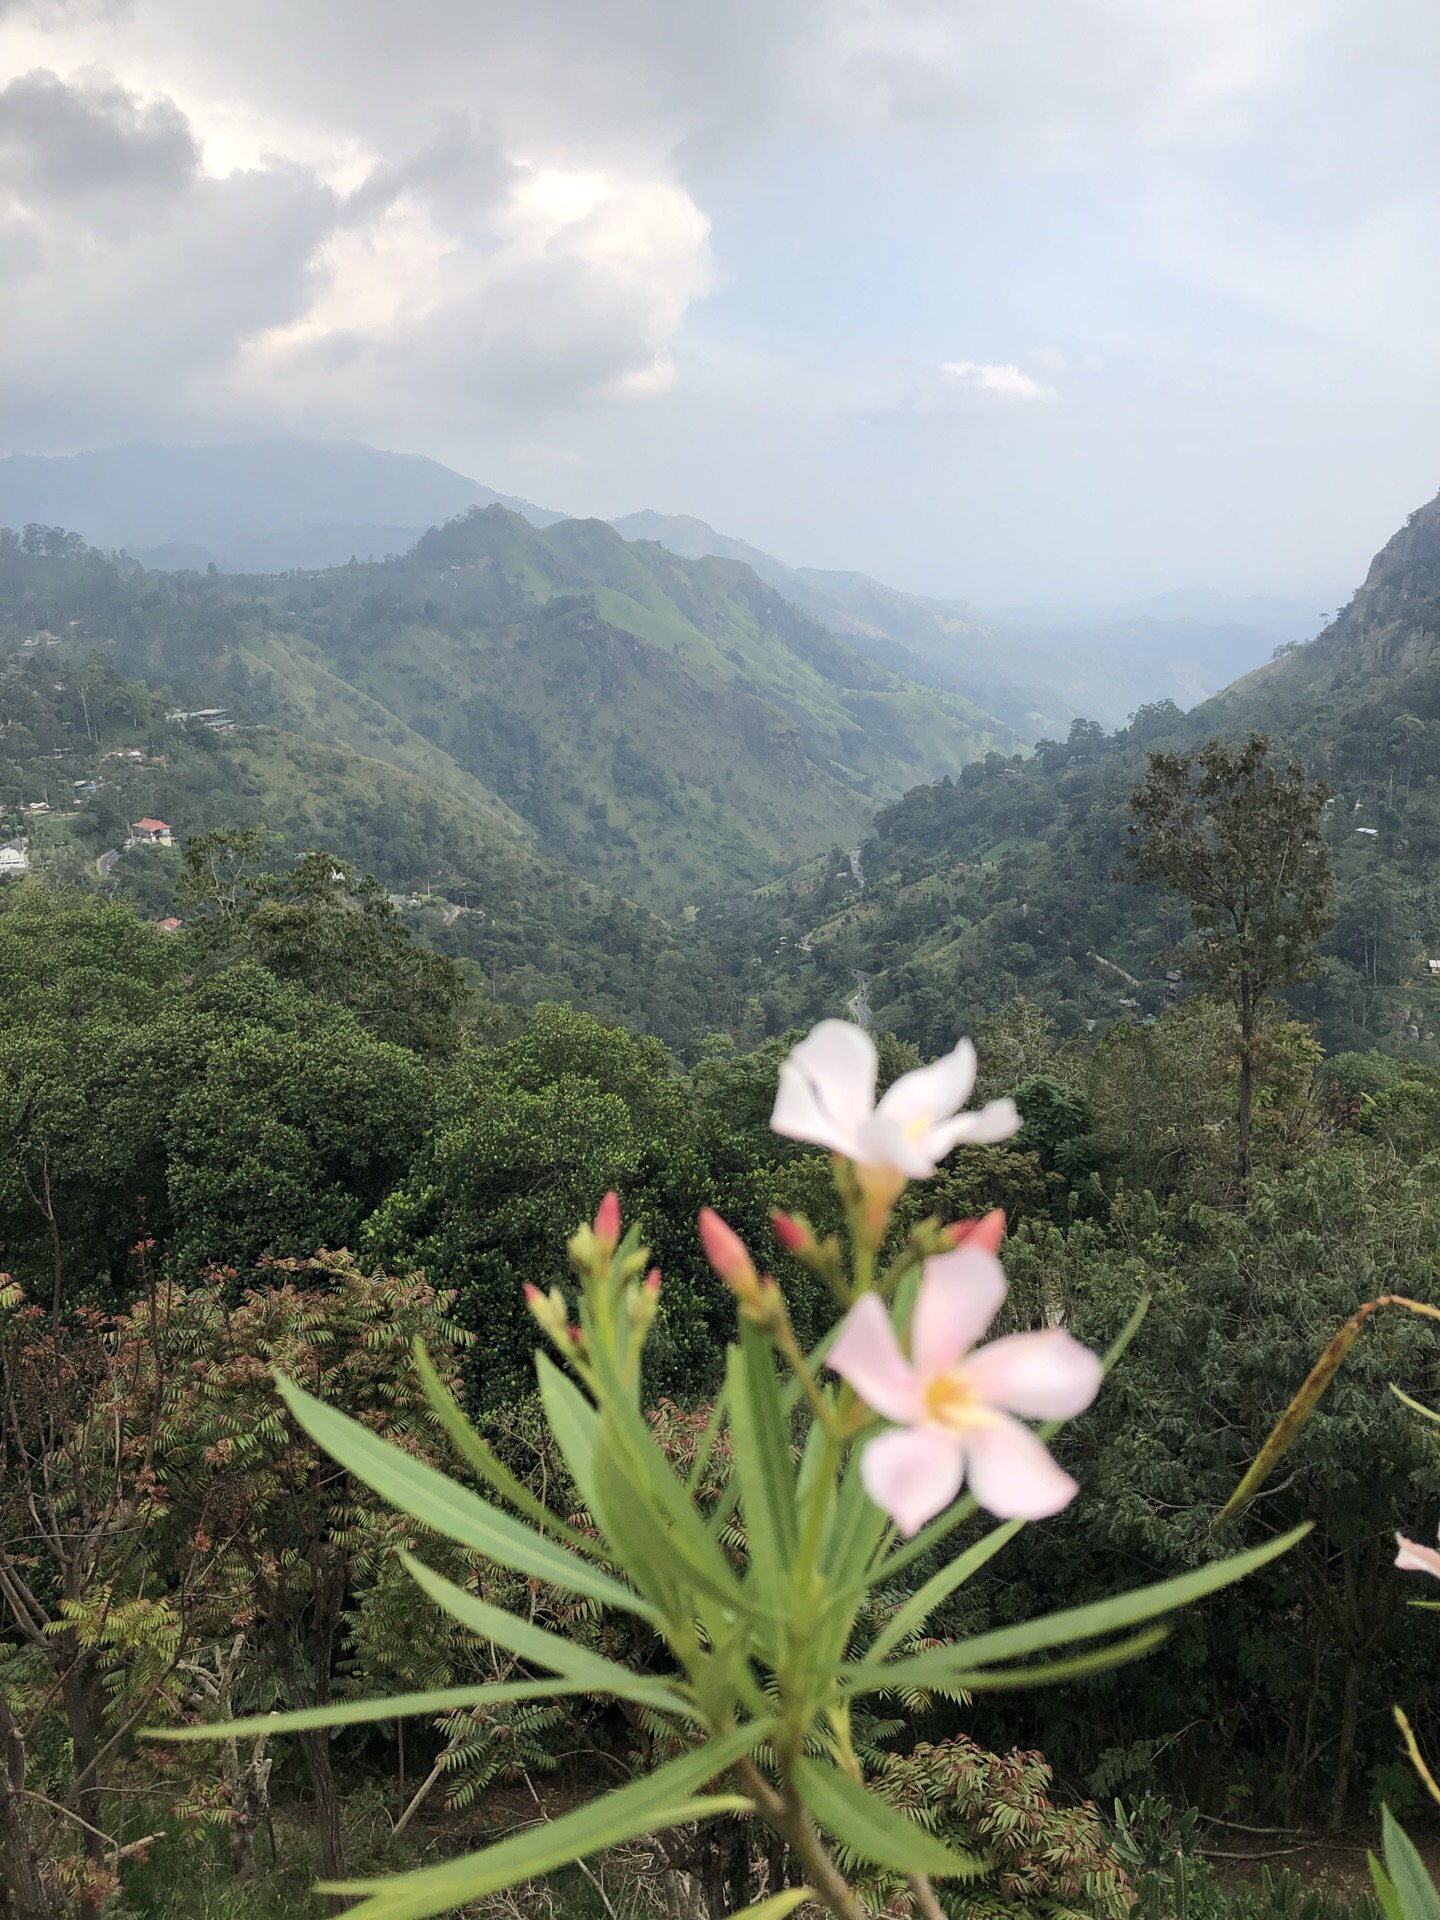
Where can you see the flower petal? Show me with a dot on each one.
(999, 1121)
(959, 1296)
(913, 1474)
(882, 1142)
(827, 1087)
(866, 1353)
(1011, 1474)
(1044, 1376)
(1417, 1559)
(934, 1092)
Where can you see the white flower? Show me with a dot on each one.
(954, 1404)
(827, 1097)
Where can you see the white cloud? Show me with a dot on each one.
(150, 286)
(1002, 382)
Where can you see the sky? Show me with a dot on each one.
(1001, 299)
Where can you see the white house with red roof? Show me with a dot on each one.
(150, 833)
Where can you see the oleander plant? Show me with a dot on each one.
(746, 1577)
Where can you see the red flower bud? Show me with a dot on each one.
(725, 1250)
(607, 1222)
(533, 1296)
(792, 1236)
(983, 1235)
(652, 1283)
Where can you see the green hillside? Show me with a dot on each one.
(673, 729)
(1001, 881)
(97, 752)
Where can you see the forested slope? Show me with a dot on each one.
(1002, 879)
(670, 728)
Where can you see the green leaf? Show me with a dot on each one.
(762, 1461)
(661, 1799)
(940, 1665)
(479, 1454)
(1413, 1885)
(918, 1608)
(1385, 1890)
(541, 1647)
(1425, 1413)
(1048, 1673)
(855, 1530)
(574, 1423)
(666, 1560)
(777, 1906)
(350, 1713)
(447, 1508)
(637, 1475)
(874, 1830)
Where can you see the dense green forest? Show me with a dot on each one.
(255, 1112)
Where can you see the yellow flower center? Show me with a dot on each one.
(951, 1403)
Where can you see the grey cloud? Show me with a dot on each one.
(460, 171)
(62, 141)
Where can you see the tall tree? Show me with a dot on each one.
(1238, 837)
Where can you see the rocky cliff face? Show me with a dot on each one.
(1392, 624)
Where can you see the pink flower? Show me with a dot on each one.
(1414, 1558)
(955, 1407)
(607, 1222)
(827, 1097)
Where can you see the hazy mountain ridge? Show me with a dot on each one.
(269, 506)
(258, 506)
(1039, 667)
(1002, 882)
(666, 728)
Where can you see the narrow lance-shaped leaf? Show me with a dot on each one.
(574, 1423)
(918, 1608)
(777, 1906)
(1288, 1427)
(480, 1455)
(1049, 1673)
(1407, 1872)
(871, 1828)
(541, 1647)
(657, 1800)
(350, 1713)
(940, 1666)
(447, 1508)
(762, 1461)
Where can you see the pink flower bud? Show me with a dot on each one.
(984, 1235)
(533, 1297)
(652, 1283)
(726, 1252)
(792, 1236)
(607, 1222)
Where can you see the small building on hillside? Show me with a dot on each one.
(170, 924)
(150, 833)
(14, 858)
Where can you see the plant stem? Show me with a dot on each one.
(785, 1813)
(925, 1896)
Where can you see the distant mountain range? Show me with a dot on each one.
(1036, 667)
(271, 505)
(263, 506)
